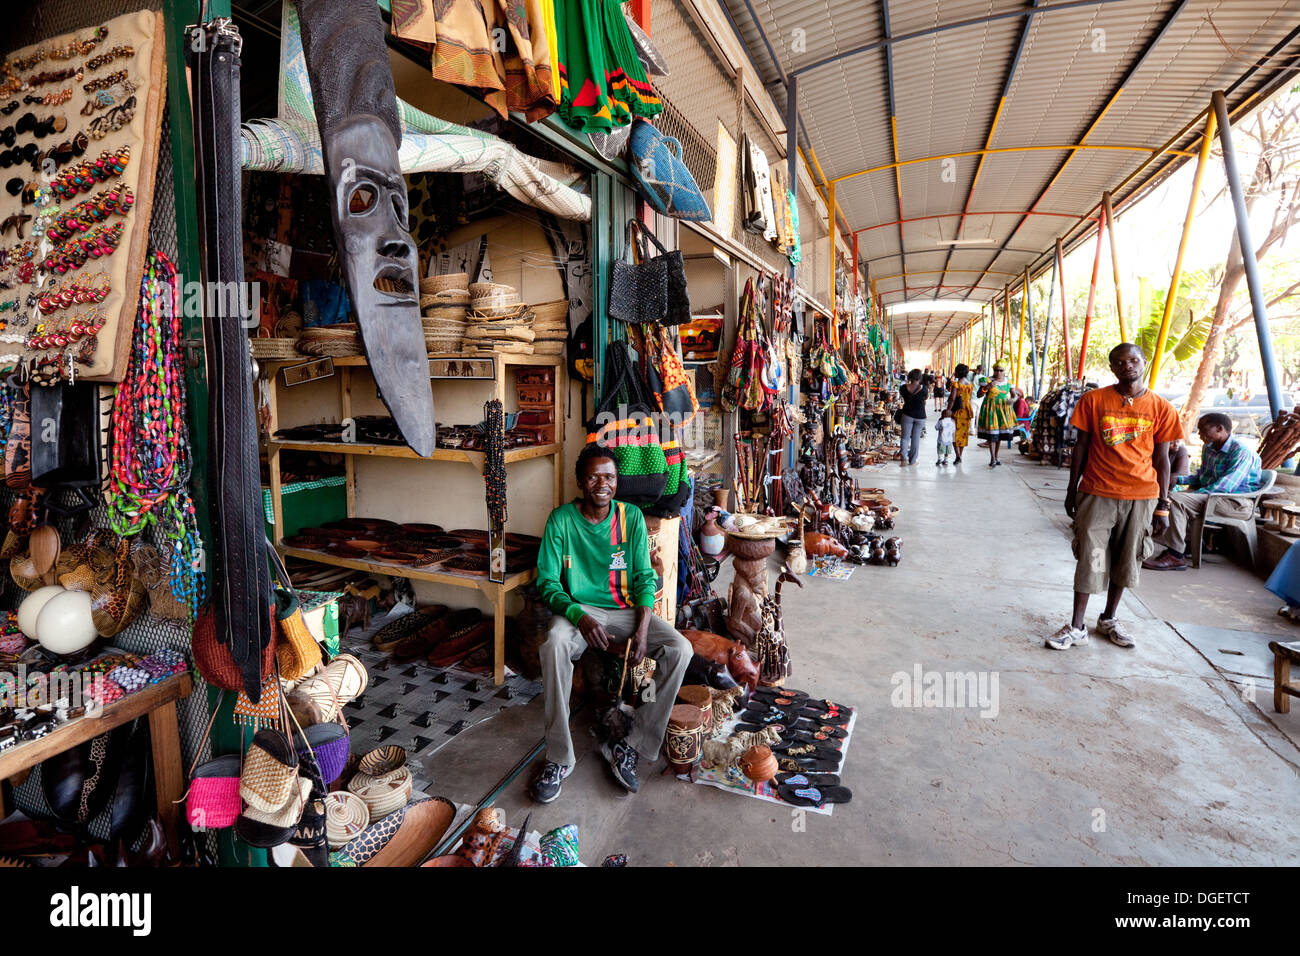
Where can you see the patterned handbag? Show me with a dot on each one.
(638, 290)
(657, 165)
(624, 424)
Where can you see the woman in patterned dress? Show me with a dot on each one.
(962, 408)
(997, 420)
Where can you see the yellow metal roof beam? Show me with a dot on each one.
(1154, 151)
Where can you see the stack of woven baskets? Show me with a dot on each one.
(444, 301)
(337, 340)
(497, 320)
(550, 327)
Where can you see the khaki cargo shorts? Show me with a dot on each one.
(1112, 538)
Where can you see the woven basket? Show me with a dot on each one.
(514, 333)
(485, 313)
(432, 300)
(335, 340)
(487, 348)
(346, 816)
(439, 346)
(270, 349)
(383, 794)
(548, 348)
(553, 312)
(451, 281)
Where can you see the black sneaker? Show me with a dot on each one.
(622, 760)
(546, 785)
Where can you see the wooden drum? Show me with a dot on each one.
(700, 696)
(684, 744)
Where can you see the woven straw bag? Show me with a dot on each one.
(269, 773)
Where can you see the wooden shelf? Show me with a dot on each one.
(355, 361)
(475, 458)
(511, 582)
(345, 368)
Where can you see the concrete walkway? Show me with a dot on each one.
(1096, 756)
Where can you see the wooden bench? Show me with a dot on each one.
(1284, 688)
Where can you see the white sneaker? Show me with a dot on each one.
(1066, 637)
(1116, 630)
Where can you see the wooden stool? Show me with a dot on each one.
(1284, 688)
(1270, 511)
(1288, 521)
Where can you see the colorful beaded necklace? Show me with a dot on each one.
(151, 459)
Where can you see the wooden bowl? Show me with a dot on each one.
(365, 544)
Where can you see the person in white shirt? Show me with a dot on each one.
(947, 431)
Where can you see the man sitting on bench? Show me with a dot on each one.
(1227, 467)
(593, 571)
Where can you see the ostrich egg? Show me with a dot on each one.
(31, 608)
(65, 624)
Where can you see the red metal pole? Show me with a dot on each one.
(1065, 309)
(1092, 300)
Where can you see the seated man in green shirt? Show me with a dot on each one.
(593, 571)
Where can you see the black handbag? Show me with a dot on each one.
(69, 456)
(638, 291)
(678, 311)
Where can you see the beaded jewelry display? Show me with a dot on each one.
(113, 120)
(150, 465)
(108, 97)
(84, 177)
(494, 461)
(104, 82)
(85, 324)
(115, 201)
(74, 253)
(108, 56)
(79, 292)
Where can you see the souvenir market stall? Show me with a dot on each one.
(423, 285)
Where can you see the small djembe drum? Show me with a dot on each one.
(700, 696)
(684, 743)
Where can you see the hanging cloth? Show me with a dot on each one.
(602, 81)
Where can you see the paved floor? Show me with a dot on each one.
(1096, 755)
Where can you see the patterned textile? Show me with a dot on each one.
(500, 49)
(997, 417)
(266, 712)
(964, 412)
(560, 846)
(603, 83)
(1232, 469)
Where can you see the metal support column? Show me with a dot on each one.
(1033, 339)
(1220, 112)
(1202, 160)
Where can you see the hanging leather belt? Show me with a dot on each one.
(242, 587)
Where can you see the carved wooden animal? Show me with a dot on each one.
(823, 544)
(748, 586)
(719, 754)
(726, 652)
(746, 739)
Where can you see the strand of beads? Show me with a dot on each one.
(151, 462)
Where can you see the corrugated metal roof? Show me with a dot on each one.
(947, 85)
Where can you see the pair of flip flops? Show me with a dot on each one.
(784, 699)
(806, 764)
(814, 796)
(807, 779)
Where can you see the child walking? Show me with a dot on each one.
(947, 431)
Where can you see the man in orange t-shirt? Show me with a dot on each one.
(1118, 492)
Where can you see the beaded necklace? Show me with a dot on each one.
(150, 463)
(494, 461)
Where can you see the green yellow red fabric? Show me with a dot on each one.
(602, 82)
